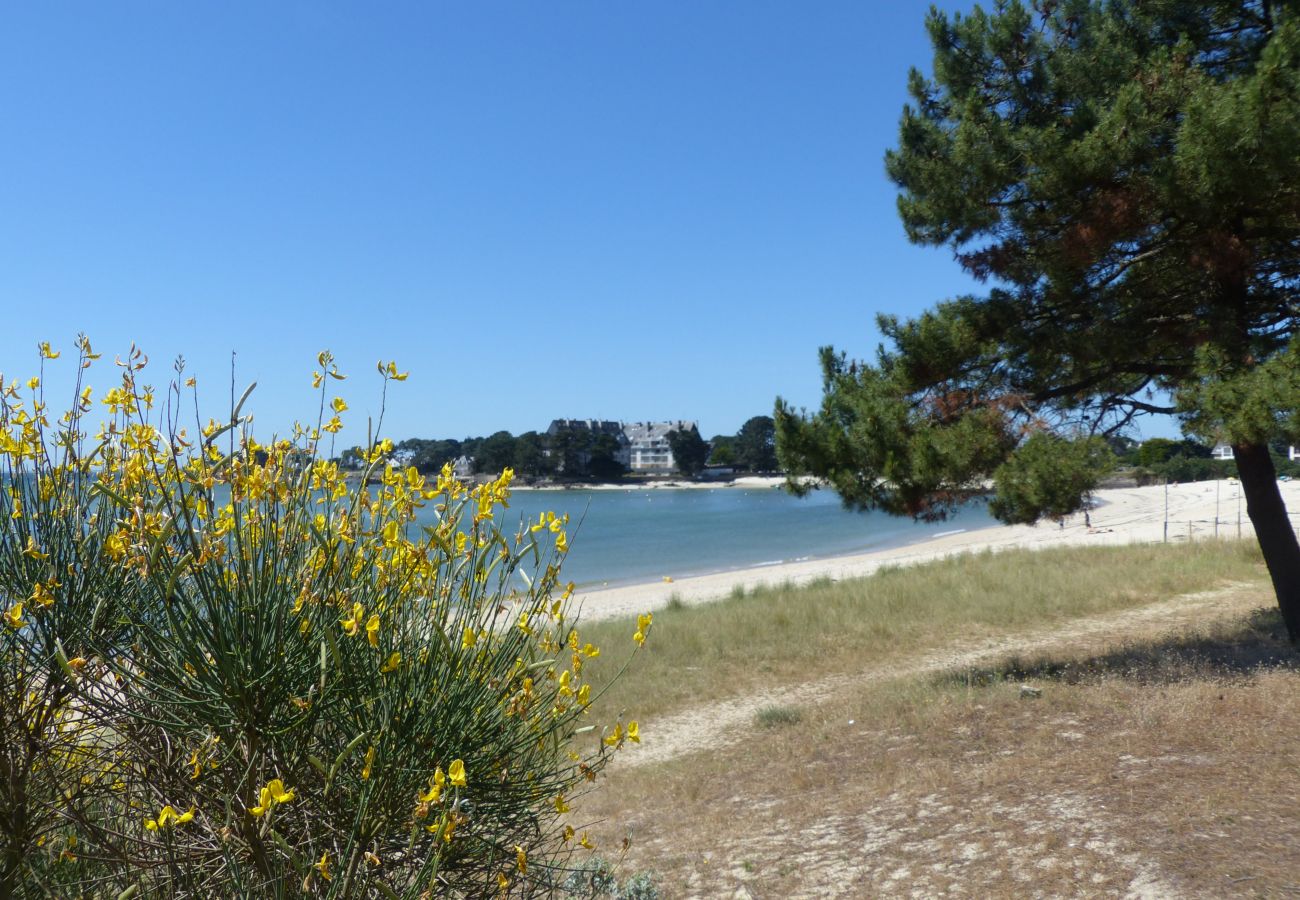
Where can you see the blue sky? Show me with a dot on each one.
(541, 210)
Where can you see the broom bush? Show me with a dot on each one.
(230, 670)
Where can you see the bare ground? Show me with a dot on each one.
(1159, 761)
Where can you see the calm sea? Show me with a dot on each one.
(643, 535)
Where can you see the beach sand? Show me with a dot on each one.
(1123, 516)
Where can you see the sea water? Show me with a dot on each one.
(637, 535)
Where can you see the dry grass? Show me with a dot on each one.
(1155, 763)
(747, 641)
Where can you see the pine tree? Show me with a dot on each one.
(1125, 178)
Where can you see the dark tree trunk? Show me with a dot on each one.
(1273, 530)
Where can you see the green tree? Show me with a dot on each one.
(1125, 176)
(530, 455)
(495, 452)
(603, 460)
(722, 450)
(689, 451)
(756, 444)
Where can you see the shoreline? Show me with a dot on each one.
(745, 481)
(1119, 516)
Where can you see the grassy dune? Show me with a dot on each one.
(746, 641)
(1154, 754)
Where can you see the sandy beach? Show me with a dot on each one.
(1122, 516)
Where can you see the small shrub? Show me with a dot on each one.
(778, 716)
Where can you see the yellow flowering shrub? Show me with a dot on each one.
(230, 670)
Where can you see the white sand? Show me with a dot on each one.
(1124, 516)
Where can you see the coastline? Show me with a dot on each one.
(1121, 516)
(744, 481)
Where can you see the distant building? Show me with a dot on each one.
(1224, 451)
(648, 444)
(463, 467)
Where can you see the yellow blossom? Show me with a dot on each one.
(372, 630)
(436, 784)
(47, 353)
(323, 866)
(560, 805)
(14, 617)
(43, 593)
(394, 660)
(370, 761)
(169, 817)
(521, 859)
(634, 732)
(271, 795)
(456, 773)
(338, 405)
(353, 622)
(467, 639)
(34, 551)
(612, 739)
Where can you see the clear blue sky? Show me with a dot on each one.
(582, 209)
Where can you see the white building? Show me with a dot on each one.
(648, 444)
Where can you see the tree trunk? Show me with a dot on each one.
(1273, 530)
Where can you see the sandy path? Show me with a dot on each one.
(1126, 515)
(729, 722)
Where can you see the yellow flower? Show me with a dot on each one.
(521, 859)
(503, 882)
(43, 593)
(394, 660)
(353, 622)
(271, 795)
(614, 736)
(14, 617)
(642, 626)
(568, 833)
(33, 551)
(435, 787)
(47, 353)
(634, 732)
(372, 630)
(584, 694)
(334, 425)
(456, 773)
(338, 405)
(562, 543)
(370, 761)
(323, 866)
(169, 817)
(586, 842)
(468, 639)
(390, 371)
(565, 689)
(560, 805)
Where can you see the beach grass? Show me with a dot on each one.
(1152, 756)
(748, 640)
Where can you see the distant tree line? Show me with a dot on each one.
(1162, 459)
(582, 454)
